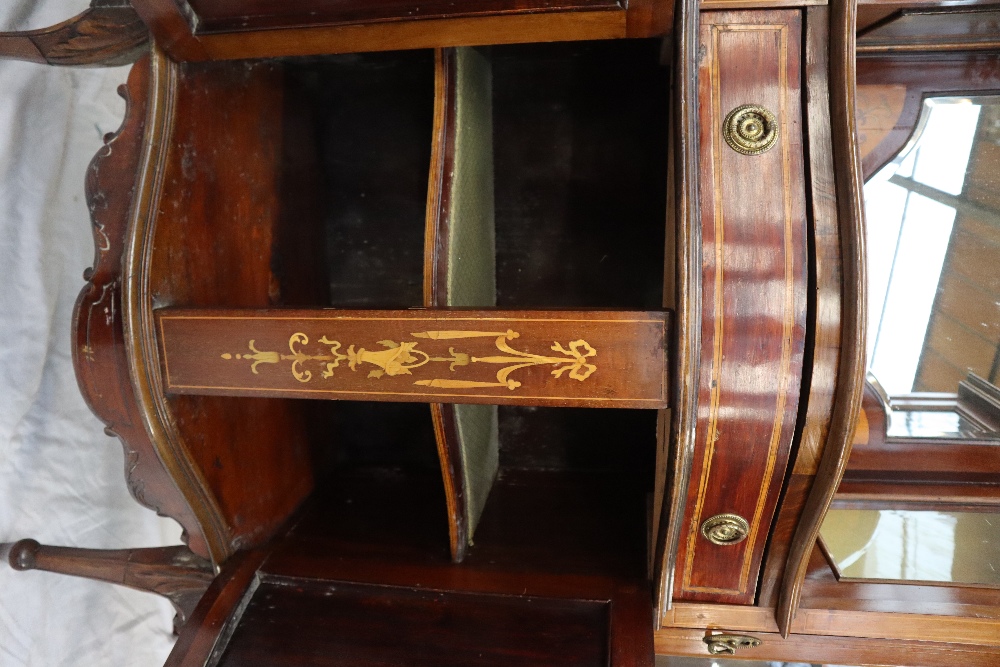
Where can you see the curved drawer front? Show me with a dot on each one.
(754, 273)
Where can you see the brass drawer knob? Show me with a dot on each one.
(726, 644)
(750, 129)
(724, 529)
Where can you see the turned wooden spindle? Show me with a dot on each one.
(176, 572)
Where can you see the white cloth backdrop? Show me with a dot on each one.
(61, 478)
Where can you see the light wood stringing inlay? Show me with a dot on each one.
(788, 319)
(587, 358)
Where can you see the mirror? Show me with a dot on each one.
(917, 546)
(920, 501)
(934, 271)
(675, 661)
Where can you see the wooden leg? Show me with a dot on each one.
(176, 573)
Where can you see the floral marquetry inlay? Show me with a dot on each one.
(402, 358)
(460, 356)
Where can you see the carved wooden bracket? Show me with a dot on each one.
(106, 35)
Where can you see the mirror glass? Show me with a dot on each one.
(676, 661)
(909, 545)
(933, 222)
(934, 253)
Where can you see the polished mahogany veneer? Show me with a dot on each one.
(562, 358)
(229, 15)
(754, 298)
(223, 29)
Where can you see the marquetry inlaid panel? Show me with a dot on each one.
(754, 296)
(582, 358)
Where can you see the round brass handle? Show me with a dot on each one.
(725, 529)
(750, 129)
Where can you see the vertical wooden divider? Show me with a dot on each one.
(460, 269)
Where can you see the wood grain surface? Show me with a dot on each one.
(909, 495)
(934, 29)
(333, 624)
(898, 462)
(99, 353)
(823, 357)
(204, 233)
(225, 29)
(823, 331)
(844, 650)
(754, 307)
(242, 15)
(371, 544)
(921, 75)
(215, 616)
(176, 572)
(682, 279)
(850, 377)
(566, 358)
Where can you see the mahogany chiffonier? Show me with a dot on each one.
(617, 247)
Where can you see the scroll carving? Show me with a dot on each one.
(98, 354)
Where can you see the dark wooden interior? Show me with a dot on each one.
(580, 164)
(453, 628)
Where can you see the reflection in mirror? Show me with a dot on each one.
(675, 661)
(934, 270)
(925, 546)
(920, 498)
(972, 414)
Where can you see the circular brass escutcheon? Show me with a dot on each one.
(724, 529)
(750, 129)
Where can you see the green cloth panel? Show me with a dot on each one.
(471, 279)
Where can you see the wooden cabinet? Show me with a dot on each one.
(627, 276)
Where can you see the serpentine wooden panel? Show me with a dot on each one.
(205, 228)
(99, 354)
(850, 373)
(559, 358)
(754, 296)
(682, 293)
